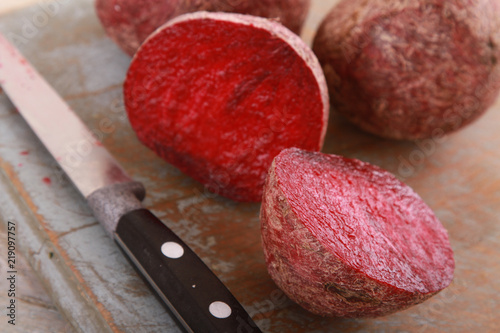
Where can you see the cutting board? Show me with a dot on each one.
(98, 291)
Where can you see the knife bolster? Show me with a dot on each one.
(110, 203)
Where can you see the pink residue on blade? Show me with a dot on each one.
(47, 180)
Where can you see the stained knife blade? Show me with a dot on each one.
(189, 289)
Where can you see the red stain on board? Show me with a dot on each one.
(47, 180)
(24, 152)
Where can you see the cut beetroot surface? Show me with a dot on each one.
(345, 238)
(220, 95)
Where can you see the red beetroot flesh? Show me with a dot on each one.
(130, 22)
(220, 95)
(345, 238)
(411, 69)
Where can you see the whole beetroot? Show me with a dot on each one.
(411, 69)
(345, 238)
(130, 22)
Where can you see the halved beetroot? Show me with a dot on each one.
(220, 95)
(345, 238)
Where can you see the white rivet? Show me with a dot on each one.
(172, 250)
(220, 310)
(194, 286)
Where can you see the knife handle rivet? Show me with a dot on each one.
(220, 310)
(172, 250)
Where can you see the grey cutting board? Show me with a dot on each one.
(90, 281)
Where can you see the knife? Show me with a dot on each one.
(189, 289)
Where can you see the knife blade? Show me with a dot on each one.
(189, 289)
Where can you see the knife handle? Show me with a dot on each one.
(193, 293)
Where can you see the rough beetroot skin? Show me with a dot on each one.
(411, 69)
(345, 238)
(130, 22)
(219, 95)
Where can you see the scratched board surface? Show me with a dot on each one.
(98, 291)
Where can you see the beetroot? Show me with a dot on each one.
(345, 238)
(219, 95)
(129, 22)
(411, 69)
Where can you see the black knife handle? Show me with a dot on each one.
(199, 300)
